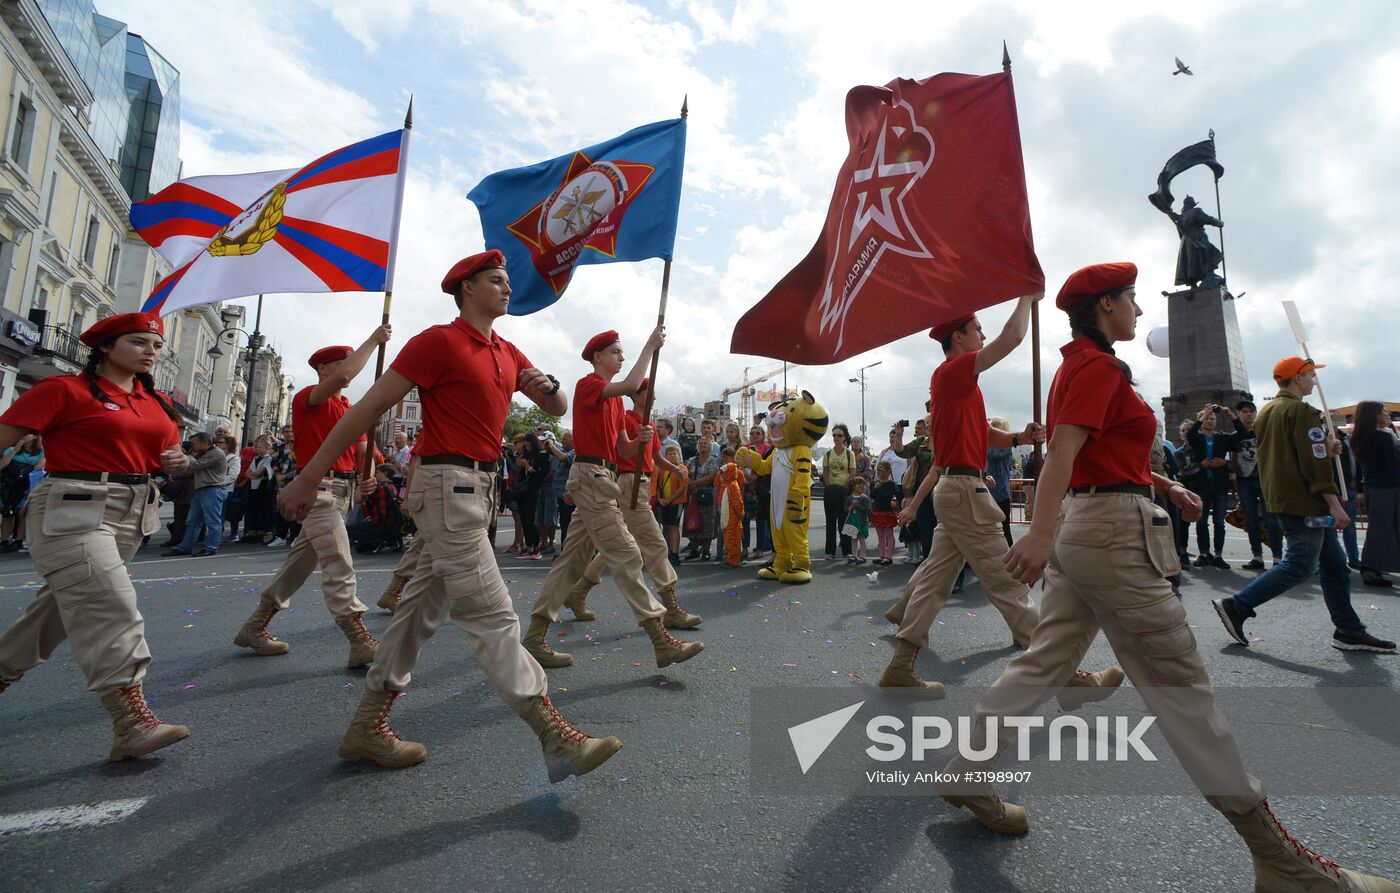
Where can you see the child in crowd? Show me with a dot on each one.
(884, 510)
(729, 496)
(858, 516)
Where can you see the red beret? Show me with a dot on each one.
(598, 342)
(121, 324)
(944, 330)
(468, 267)
(1094, 281)
(330, 354)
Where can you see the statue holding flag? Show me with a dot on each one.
(1197, 258)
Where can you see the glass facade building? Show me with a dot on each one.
(135, 115)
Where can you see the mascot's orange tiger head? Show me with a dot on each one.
(801, 421)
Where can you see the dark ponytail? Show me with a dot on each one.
(144, 379)
(1084, 321)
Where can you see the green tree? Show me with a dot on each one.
(523, 419)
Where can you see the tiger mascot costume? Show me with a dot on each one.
(794, 427)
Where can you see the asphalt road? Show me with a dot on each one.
(256, 799)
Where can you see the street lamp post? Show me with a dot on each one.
(255, 341)
(860, 380)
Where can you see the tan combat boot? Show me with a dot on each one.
(1085, 688)
(1283, 865)
(669, 649)
(994, 813)
(253, 634)
(135, 729)
(895, 614)
(392, 593)
(362, 644)
(537, 643)
(900, 673)
(370, 738)
(567, 750)
(676, 616)
(576, 601)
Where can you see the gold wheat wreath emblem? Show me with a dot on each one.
(250, 230)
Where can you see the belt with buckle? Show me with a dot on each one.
(459, 461)
(1144, 490)
(110, 477)
(960, 471)
(594, 460)
(342, 475)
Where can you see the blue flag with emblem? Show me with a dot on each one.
(616, 201)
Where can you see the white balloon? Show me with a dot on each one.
(1158, 342)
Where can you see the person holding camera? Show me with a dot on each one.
(1297, 467)
(1211, 447)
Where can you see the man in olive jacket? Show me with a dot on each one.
(1300, 486)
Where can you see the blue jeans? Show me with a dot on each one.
(1251, 494)
(1213, 501)
(1349, 535)
(1310, 550)
(206, 517)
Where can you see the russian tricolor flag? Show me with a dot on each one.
(329, 226)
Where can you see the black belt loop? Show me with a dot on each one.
(594, 460)
(460, 461)
(1144, 490)
(960, 471)
(109, 477)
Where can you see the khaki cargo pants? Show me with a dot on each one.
(456, 577)
(1108, 571)
(322, 541)
(599, 523)
(969, 529)
(641, 523)
(81, 535)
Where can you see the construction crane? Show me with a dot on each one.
(745, 392)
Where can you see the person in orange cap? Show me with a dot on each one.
(466, 374)
(1105, 549)
(323, 541)
(1298, 474)
(600, 441)
(105, 431)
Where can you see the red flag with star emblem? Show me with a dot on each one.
(929, 222)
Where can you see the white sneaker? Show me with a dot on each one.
(277, 542)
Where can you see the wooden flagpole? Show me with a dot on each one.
(1036, 412)
(656, 354)
(368, 469)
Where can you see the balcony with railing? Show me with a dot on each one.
(59, 352)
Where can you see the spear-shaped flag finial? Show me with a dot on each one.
(1005, 58)
(408, 116)
(685, 106)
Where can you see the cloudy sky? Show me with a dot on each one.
(1296, 92)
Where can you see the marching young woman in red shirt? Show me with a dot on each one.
(1105, 568)
(105, 431)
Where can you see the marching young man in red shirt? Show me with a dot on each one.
(642, 524)
(600, 440)
(969, 520)
(323, 540)
(465, 374)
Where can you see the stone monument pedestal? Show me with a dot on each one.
(1207, 354)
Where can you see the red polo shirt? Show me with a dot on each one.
(633, 424)
(959, 422)
(597, 419)
(123, 436)
(465, 381)
(312, 424)
(1090, 390)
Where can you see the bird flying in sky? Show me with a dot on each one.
(1181, 68)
